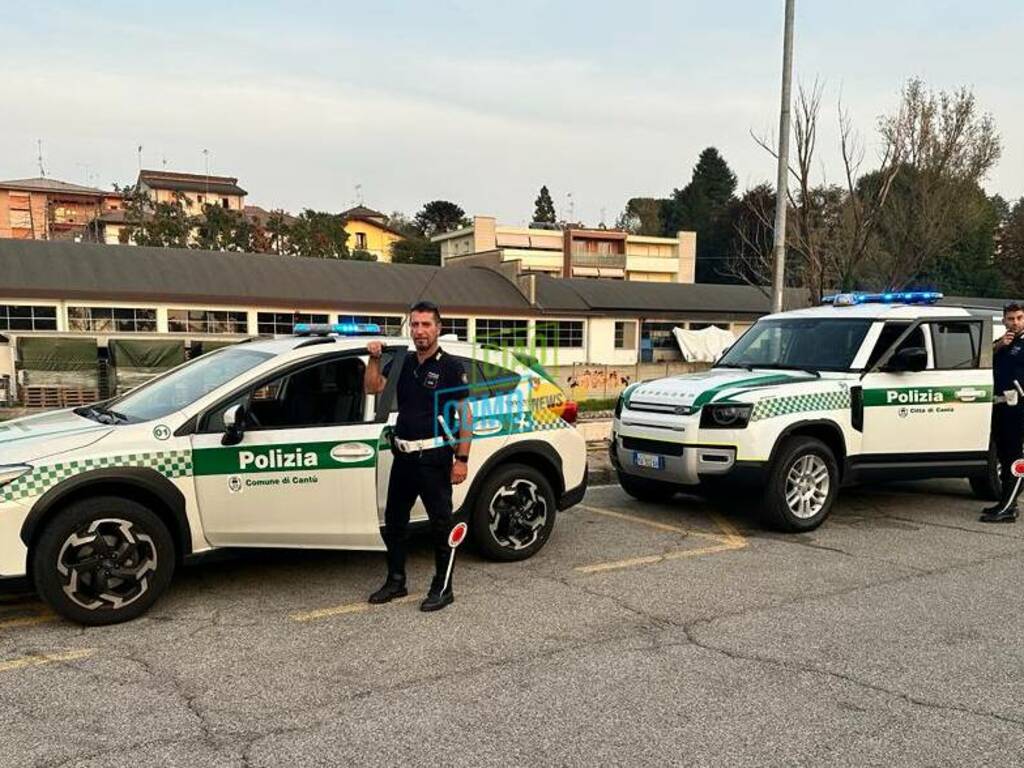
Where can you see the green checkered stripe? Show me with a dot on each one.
(170, 464)
(783, 406)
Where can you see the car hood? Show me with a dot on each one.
(47, 434)
(693, 390)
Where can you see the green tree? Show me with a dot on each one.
(1010, 255)
(544, 207)
(222, 229)
(700, 207)
(969, 267)
(642, 216)
(945, 147)
(319, 235)
(438, 217)
(416, 249)
(159, 225)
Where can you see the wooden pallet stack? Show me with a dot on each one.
(58, 397)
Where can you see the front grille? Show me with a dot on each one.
(652, 446)
(678, 410)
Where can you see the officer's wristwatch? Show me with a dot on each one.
(463, 459)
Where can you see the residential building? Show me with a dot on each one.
(197, 189)
(576, 251)
(49, 209)
(368, 230)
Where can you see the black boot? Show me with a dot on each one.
(1008, 516)
(993, 509)
(437, 598)
(393, 587)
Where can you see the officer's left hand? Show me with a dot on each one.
(459, 471)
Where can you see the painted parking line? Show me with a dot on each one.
(727, 540)
(27, 621)
(347, 608)
(44, 658)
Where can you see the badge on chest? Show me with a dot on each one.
(431, 379)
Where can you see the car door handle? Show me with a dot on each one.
(489, 427)
(348, 453)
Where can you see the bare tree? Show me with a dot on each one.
(832, 227)
(944, 148)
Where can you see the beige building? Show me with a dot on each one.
(198, 190)
(576, 252)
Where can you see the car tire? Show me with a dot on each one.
(513, 513)
(803, 481)
(988, 487)
(103, 560)
(645, 489)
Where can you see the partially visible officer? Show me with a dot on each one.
(1008, 411)
(426, 464)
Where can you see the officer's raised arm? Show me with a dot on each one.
(373, 380)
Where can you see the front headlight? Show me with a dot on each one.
(725, 416)
(12, 472)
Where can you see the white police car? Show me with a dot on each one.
(264, 444)
(868, 387)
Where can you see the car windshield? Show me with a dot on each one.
(182, 387)
(808, 343)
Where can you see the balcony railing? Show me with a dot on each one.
(589, 259)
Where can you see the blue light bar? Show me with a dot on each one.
(341, 329)
(898, 297)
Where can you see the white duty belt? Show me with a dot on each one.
(415, 446)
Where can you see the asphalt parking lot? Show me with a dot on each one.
(642, 634)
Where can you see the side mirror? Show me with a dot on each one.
(910, 359)
(234, 425)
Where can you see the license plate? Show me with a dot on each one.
(648, 460)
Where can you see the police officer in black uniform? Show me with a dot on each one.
(426, 464)
(1008, 411)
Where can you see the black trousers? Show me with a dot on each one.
(427, 476)
(1008, 431)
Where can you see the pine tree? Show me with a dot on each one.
(544, 207)
(700, 207)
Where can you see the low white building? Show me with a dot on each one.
(51, 290)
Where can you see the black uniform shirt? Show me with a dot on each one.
(1008, 365)
(424, 391)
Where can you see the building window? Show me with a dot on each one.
(502, 333)
(389, 325)
(360, 241)
(564, 334)
(27, 318)
(112, 319)
(200, 199)
(625, 334)
(224, 203)
(206, 321)
(272, 323)
(457, 325)
(661, 335)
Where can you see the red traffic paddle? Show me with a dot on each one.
(456, 537)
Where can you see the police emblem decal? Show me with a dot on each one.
(235, 484)
(904, 412)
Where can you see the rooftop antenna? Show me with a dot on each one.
(140, 158)
(206, 161)
(359, 194)
(163, 161)
(572, 207)
(603, 210)
(39, 157)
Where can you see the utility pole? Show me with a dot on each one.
(781, 187)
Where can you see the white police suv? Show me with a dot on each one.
(868, 387)
(270, 443)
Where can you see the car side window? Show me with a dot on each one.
(891, 332)
(957, 344)
(325, 394)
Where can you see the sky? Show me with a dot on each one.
(321, 104)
